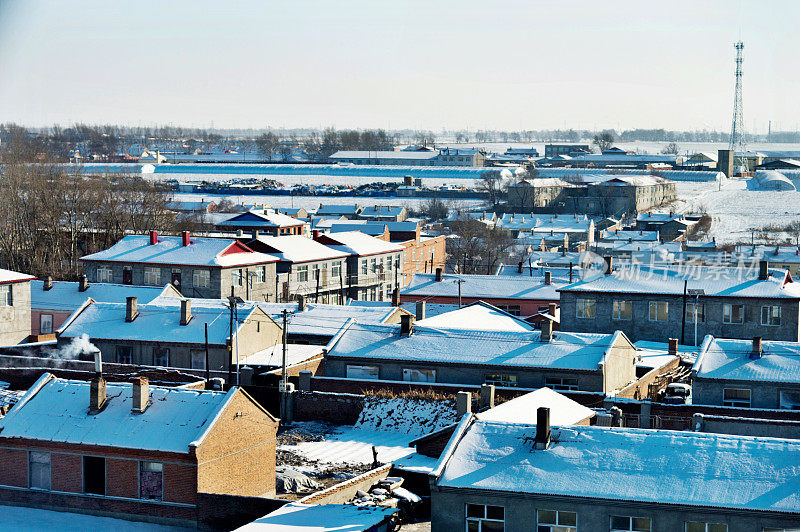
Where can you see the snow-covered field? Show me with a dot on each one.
(735, 209)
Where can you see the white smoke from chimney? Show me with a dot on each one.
(80, 345)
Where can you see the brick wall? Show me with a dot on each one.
(180, 483)
(345, 491)
(227, 512)
(66, 472)
(14, 470)
(122, 478)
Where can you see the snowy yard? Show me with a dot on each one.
(22, 519)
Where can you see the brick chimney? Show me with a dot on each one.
(83, 284)
(438, 274)
(255, 234)
(542, 440)
(463, 404)
(141, 395)
(131, 308)
(406, 324)
(547, 330)
(420, 311)
(757, 351)
(519, 267)
(315, 234)
(97, 387)
(673, 346)
(186, 311)
(153, 238)
(763, 270)
(548, 277)
(396, 297)
(551, 308)
(609, 264)
(185, 240)
(48, 283)
(301, 303)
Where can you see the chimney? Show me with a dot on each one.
(420, 314)
(185, 240)
(97, 387)
(547, 330)
(438, 274)
(83, 284)
(487, 396)
(519, 267)
(239, 233)
(48, 283)
(153, 238)
(673, 346)
(186, 311)
(542, 428)
(141, 395)
(301, 303)
(315, 232)
(609, 264)
(551, 308)
(406, 324)
(763, 270)
(757, 351)
(131, 310)
(463, 404)
(255, 234)
(548, 277)
(396, 297)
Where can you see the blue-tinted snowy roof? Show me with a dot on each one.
(65, 294)
(729, 359)
(482, 286)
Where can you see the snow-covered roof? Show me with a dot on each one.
(257, 219)
(273, 356)
(358, 243)
(563, 410)
(64, 295)
(299, 517)
(658, 217)
(298, 248)
(579, 351)
(158, 321)
(635, 235)
(321, 319)
(713, 280)
(622, 464)
(378, 211)
(57, 410)
(201, 251)
(478, 316)
(412, 155)
(364, 226)
(8, 276)
(729, 359)
(773, 180)
(556, 224)
(534, 271)
(335, 209)
(481, 286)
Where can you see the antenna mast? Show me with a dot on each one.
(737, 143)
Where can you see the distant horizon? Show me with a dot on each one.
(409, 65)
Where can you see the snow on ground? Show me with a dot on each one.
(354, 446)
(735, 209)
(22, 519)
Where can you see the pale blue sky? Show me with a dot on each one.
(413, 64)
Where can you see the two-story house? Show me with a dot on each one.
(196, 266)
(15, 307)
(266, 221)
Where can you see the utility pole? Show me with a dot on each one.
(683, 321)
(283, 389)
(208, 369)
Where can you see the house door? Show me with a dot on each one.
(176, 280)
(127, 276)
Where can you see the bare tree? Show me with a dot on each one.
(671, 149)
(491, 184)
(604, 140)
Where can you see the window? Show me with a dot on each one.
(152, 276)
(104, 274)
(198, 359)
(302, 274)
(624, 523)
(701, 312)
(739, 397)
(419, 375)
(732, 313)
(123, 354)
(771, 315)
(514, 310)
(389, 263)
(621, 310)
(261, 274)
(39, 470)
(127, 275)
(483, 518)
(201, 278)
(659, 310)
(6, 296)
(336, 269)
(315, 276)
(362, 372)
(373, 294)
(364, 267)
(789, 400)
(373, 265)
(240, 275)
(696, 526)
(161, 356)
(585, 308)
(45, 324)
(501, 379)
(556, 521)
(94, 475)
(151, 480)
(561, 383)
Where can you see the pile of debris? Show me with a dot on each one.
(389, 494)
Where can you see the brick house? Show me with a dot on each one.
(133, 450)
(170, 332)
(15, 307)
(198, 267)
